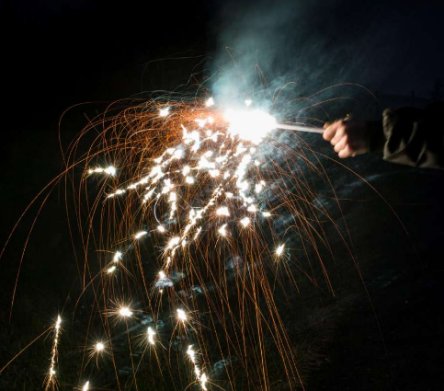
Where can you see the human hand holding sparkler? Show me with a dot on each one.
(348, 137)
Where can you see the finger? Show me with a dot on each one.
(341, 144)
(346, 152)
(340, 132)
(329, 131)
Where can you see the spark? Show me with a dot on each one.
(111, 269)
(203, 381)
(181, 315)
(280, 250)
(209, 102)
(223, 211)
(52, 371)
(161, 228)
(223, 230)
(150, 335)
(125, 312)
(173, 242)
(164, 111)
(189, 180)
(140, 234)
(245, 221)
(110, 170)
(117, 256)
(266, 214)
(86, 386)
(99, 347)
(186, 170)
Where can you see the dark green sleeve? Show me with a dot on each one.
(414, 137)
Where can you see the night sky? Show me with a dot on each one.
(56, 54)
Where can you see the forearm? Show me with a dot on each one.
(413, 137)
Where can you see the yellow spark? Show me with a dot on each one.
(266, 214)
(86, 386)
(161, 228)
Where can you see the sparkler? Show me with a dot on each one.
(192, 181)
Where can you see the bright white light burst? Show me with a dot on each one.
(250, 125)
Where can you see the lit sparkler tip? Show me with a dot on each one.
(181, 315)
(251, 125)
(280, 250)
(125, 312)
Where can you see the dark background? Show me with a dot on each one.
(56, 54)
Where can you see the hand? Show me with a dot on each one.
(348, 137)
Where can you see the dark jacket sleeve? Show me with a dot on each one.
(414, 137)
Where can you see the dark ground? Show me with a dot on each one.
(56, 56)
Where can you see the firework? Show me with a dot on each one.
(187, 219)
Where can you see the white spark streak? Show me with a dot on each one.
(140, 234)
(52, 371)
(110, 170)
